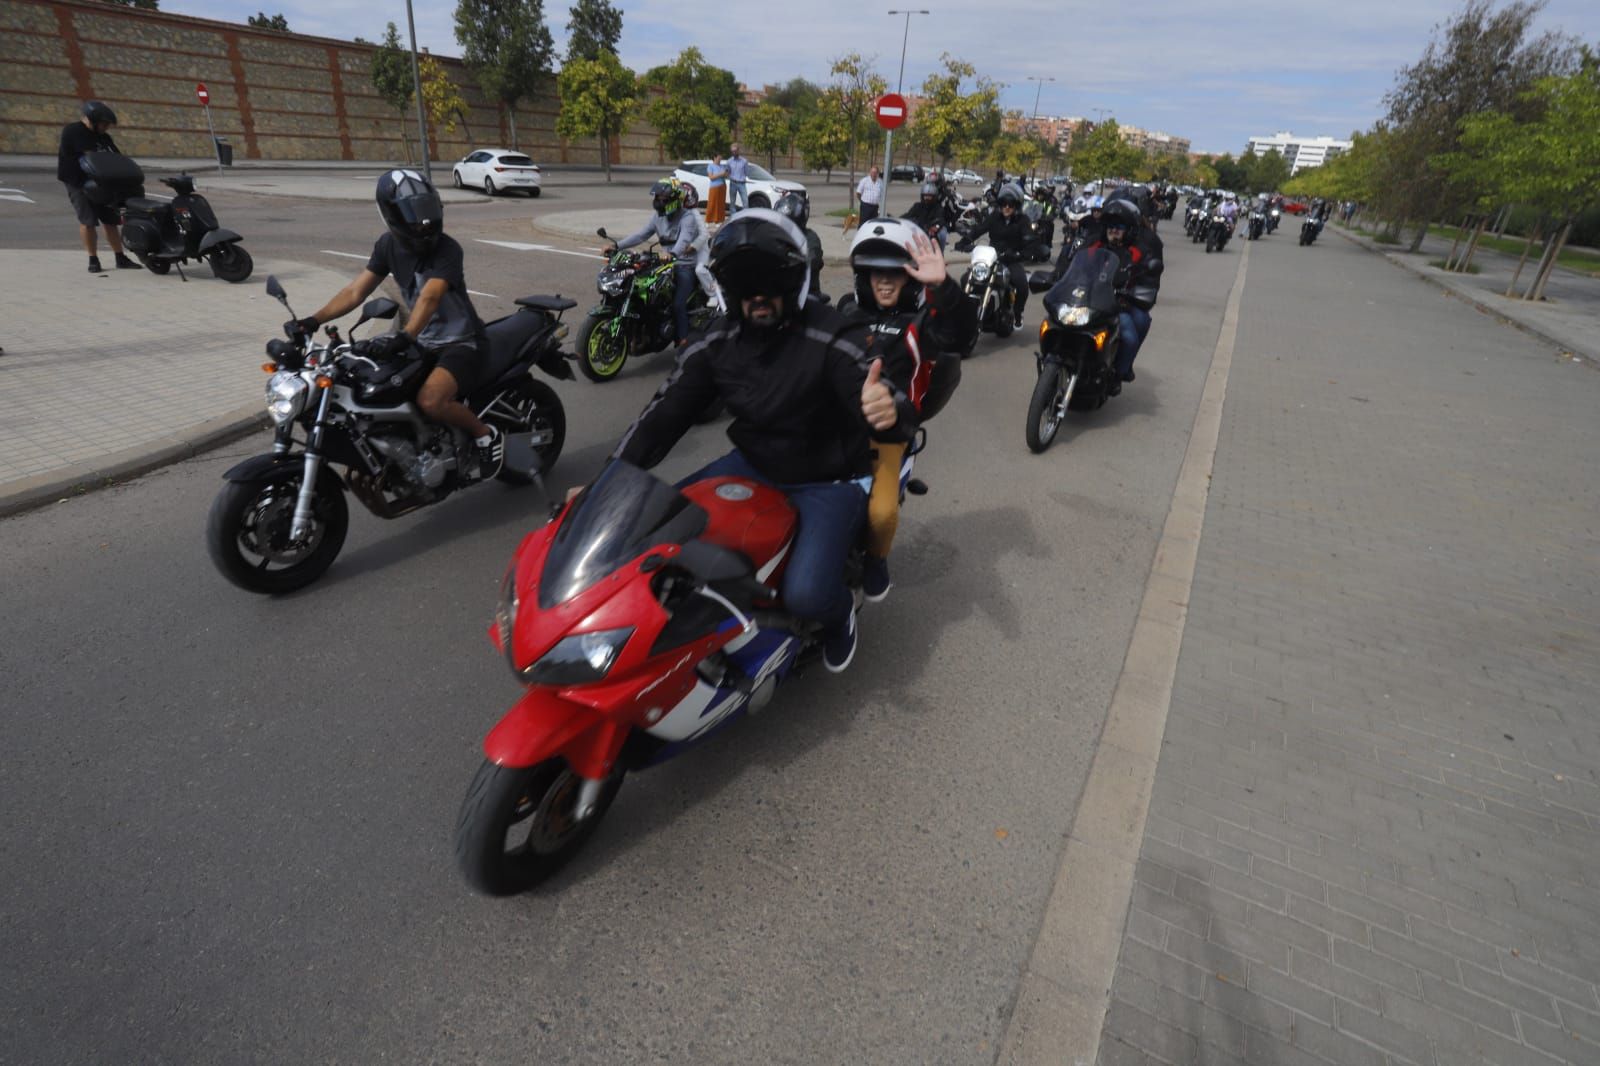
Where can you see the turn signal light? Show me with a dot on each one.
(268, 368)
(324, 381)
(1100, 339)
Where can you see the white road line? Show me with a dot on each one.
(490, 295)
(520, 246)
(347, 255)
(15, 195)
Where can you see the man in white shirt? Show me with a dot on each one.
(869, 190)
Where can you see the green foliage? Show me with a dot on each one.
(263, 21)
(440, 96)
(799, 98)
(595, 27)
(688, 128)
(391, 77)
(597, 98)
(1102, 153)
(767, 129)
(850, 97)
(507, 46)
(823, 140)
(1266, 173)
(951, 122)
(689, 80)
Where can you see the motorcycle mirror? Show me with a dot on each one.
(1040, 281)
(382, 307)
(275, 290)
(601, 232)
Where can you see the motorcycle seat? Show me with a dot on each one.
(553, 304)
(145, 204)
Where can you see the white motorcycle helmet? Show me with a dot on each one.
(885, 244)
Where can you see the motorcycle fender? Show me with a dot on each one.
(602, 311)
(269, 468)
(552, 362)
(218, 237)
(542, 725)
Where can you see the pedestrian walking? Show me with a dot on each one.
(869, 190)
(738, 178)
(91, 133)
(717, 196)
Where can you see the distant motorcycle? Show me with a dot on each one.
(1041, 233)
(281, 518)
(988, 284)
(1309, 230)
(634, 316)
(1078, 343)
(1272, 218)
(1217, 232)
(1258, 223)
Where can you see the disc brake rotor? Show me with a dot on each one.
(264, 531)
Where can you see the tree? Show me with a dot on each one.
(595, 27)
(767, 129)
(597, 97)
(391, 77)
(687, 128)
(1269, 172)
(823, 141)
(1102, 153)
(851, 95)
(507, 46)
(440, 96)
(263, 21)
(690, 79)
(951, 122)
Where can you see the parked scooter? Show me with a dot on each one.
(164, 233)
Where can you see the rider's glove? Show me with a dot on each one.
(300, 327)
(389, 344)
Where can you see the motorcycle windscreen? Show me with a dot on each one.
(1090, 281)
(623, 513)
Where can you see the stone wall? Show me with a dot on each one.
(273, 95)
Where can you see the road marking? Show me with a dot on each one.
(489, 295)
(346, 255)
(16, 196)
(520, 246)
(1061, 1003)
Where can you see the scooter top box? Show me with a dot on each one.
(112, 177)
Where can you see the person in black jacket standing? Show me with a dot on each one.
(804, 398)
(91, 133)
(1009, 234)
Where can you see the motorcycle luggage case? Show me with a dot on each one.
(112, 178)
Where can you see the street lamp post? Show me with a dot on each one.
(899, 84)
(416, 85)
(1034, 122)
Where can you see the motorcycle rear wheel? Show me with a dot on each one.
(245, 512)
(231, 263)
(602, 348)
(518, 825)
(1044, 409)
(535, 396)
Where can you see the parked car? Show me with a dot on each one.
(762, 188)
(905, 172)
(967, 177)
(497, 170)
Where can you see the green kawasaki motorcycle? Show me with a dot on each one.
(634, 316)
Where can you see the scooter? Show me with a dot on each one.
(162, 233)
(642, 620)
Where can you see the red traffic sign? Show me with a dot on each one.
(200, 91)
(891, 111)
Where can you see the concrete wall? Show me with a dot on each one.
(273, 95)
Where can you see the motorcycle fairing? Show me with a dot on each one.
(217, 237)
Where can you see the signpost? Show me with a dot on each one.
(204, 96)
(891, 113)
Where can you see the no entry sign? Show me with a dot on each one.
(200, 91)
(891, 111)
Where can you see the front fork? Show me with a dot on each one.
(300, 529)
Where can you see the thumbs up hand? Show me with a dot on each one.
(877, 402)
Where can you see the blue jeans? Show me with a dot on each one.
(684, 282)
(737, 200)
(831, 513)
(1135, 328)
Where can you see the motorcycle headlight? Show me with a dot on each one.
(579, 659)
(1072, 316)
(505, 614)
(980, 272)
(611, 283)
(286, 396)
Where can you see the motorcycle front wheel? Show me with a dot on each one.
(602, 347)
(155, 266)
(1044, 409)
(247, 534)
(519, 825)
(231, 263)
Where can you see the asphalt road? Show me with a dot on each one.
(228, 818)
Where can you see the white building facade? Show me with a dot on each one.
(1302, 153)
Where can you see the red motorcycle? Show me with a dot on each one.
(643, 619)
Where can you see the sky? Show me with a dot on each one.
(1217, 73)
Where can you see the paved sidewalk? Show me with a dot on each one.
(1569, 316)
(1374, 836)
(104, 377)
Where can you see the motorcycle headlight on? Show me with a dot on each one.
(286, 396)
(1072, 316)
(579, 659)
(980, 272)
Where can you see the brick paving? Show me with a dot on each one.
(1375, 831)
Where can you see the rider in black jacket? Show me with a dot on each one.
(805, 399)
(929, 213)
(1008, 233)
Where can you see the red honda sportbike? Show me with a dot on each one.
(644, 618)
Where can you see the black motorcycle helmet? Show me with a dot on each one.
(98, 113)
(666, 196)
(411, 209)
(929, 189)
(1009, 194)
(1123, 213)
(761, 253)
(794, 207)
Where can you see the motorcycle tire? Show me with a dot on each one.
(231, 263)
(1211, 245)
(602, 352)
(1044, 409)
(227, 525)
(1004, 322)
(551, 415)
(158, 267)
(503, 798)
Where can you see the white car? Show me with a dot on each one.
(496, 170)
(762, 188)
(967, 177)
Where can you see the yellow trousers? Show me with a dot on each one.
(883, 507)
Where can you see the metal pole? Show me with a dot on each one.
(899, 86)
(215, 147)
(416, 85)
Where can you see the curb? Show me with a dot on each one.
(1493, 312)
(80, 478)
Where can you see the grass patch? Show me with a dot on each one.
(1570, 258)
(1472, 268)
(1386, 238)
